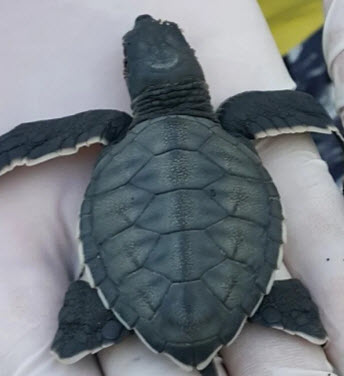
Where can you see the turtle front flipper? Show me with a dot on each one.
(85, 326)
(36, 142)
(260, 114)
(289, 307)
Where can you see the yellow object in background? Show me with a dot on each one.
(292, 21)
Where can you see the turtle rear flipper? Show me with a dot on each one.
(289, 307)
(260, 114)
(36, 142)
(85, 326)
(213, 369)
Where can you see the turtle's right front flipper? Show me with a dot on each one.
(36, 142)
(260, 114)
(85, 326)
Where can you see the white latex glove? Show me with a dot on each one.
(63, 57)
(333, 46)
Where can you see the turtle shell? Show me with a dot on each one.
(181, 229)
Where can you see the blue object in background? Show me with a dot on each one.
(307, 67)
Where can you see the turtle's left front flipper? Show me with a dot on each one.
(36, 142)
(260, 114)
(289, 307)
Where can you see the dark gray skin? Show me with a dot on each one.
(181, 226)
(162, 73)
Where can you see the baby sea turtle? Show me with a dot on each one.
(181, 226)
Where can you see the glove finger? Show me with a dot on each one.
(131, 358)
(37, 261)
(262, 351)
(314, 211)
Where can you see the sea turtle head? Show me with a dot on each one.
(157, 54)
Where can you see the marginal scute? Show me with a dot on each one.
(109, 290)
(276, 208)
(271, 253)
(142, 126)
(275, 227)
(98, 270)
(151, 334)
(109, 152)
(272, 190)
(263, 278)
(85, 223)
(206, 123)
(182, 352)
(89, 246)
(124, 312)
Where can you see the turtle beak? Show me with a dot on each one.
(156, 53)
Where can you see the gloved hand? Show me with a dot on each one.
(64, 58)
(333, 46)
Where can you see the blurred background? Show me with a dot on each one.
(297, 27)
